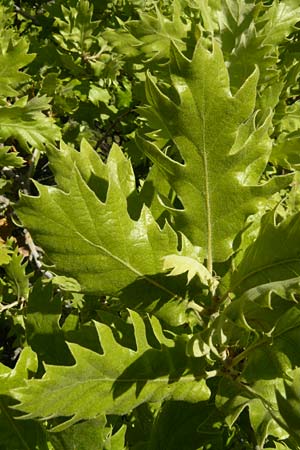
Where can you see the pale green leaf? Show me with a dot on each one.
(12, 378)
(5, 254)
(224, 151)
(182, 264)
(9, 158)
(116, 381)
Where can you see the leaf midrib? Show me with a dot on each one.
(115, 257)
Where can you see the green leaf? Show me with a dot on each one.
(9, 158)
(261, 265)
(181, 264)
(288, 405)
(25, 367)
(87, 435)
(187, 426)
(116, 381)
(155, 32)
(5, 254)
(18, 434)
(273, 357)
(116, 441)
(42, 326)
(224, 151)
(25, 122)
(13, 57)
(76, 29)
(75, 228)
(16, 274)
(233, 397)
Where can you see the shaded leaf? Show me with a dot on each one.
(13, 57)
(116, 381)
(261, 264)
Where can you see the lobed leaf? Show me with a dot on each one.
(25, 121)
(224, 151)
(75, 228)
(116, 381)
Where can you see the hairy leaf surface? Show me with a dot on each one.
(224, 151)
(96, 242)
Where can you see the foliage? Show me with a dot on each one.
(150, 225)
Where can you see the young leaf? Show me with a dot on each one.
(154, 31)
(116, 381)
(16, 274)
(224, 151)
(10, 159)
(181, 264)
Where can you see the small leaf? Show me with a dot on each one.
(181, 264)
(25, 121)
(9, 158)
(13, 57)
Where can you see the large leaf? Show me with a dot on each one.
(96, 242)
(116, 381)
(224, 151)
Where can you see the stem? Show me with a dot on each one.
(35, 254)
(248, 350)
(11, 305)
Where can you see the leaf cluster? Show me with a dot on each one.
(149, 225)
